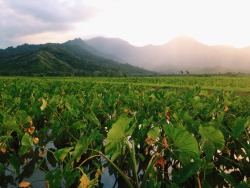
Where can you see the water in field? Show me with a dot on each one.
(37, 179)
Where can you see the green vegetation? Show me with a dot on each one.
(73, 58)
(145, 132)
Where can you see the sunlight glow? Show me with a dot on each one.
(143, 22)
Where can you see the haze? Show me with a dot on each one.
(139, 22)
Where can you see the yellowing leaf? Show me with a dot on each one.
(167, 115)
(35, 140)
(24, 184)
(84, 181)
(44, 104)
(226, 108)
(47, 184)
(30, 122)
(30, 130)
(98, 173)
(164, 142)
(161, 162)
(3, 149)
(149, 141)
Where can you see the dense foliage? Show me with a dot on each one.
(76, 131)
(73, 58)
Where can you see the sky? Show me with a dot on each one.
(140, 22)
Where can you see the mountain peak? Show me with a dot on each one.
(182, 52)
(76, 41)
(73, 57)
(183, 40)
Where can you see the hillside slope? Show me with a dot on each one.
(74, 57)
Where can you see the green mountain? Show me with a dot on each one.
(72, 58)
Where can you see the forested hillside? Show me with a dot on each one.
(72, 58)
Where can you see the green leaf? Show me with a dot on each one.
(92, 118)
(54, 177)
(240, 126)
(117, 136)
(70, 177)
(182, 174)
(183, 141)
(243, 184)
(205, 184)
(211, 136)
(79, 125)
(1, 118)
(154, 133)
(1, 168)
(173, 185)
(10, 123)
(51, 158)
(23, 117)
(229, 178)
(208, 148)
(15, 164)
(81, 147)
(62, 153)
(26, 144)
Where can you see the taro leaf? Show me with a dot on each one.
(184, 158)
(71, 103)
(154, 133)
(43, 105)
(10, 123)
(229, 178)
(183, 141)
(15, 164)
(243, 185)
(239, 126)
(70, 177)
(1, 169)
(23, 117)
(95, 105)
(79, 125)
(209, 149)
(154, 184)
(81, 147)
(44, 165)
(26, 144)
(117, 135)
(84, 181)
(51, 158)
(92, 118)
(1, 118)
(173, 185)
(205, 184)
(211, 138)
(62, 153)
(182, 174)
(54, 177)
(29, 168)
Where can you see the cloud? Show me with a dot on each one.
(29, 17)
(53, 11)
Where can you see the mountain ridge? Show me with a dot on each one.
(180, 54)
(100, 56)
(72, 58)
